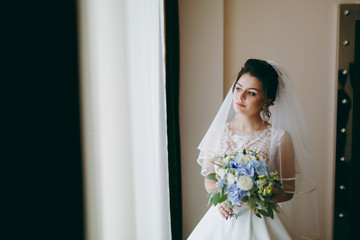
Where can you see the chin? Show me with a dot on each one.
(239, 111)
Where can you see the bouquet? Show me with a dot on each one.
(244, 178)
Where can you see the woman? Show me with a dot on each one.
(245, 121)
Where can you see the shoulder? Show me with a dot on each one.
(278, 132)
(280, 137)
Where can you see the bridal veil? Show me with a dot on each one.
(286, 114)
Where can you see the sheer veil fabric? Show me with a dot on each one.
(287, 117)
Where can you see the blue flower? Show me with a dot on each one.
(220, 183)
(233, 165)
(262, 168)
(254, 163)
(235, 194)
(245, 169)
(237, 158)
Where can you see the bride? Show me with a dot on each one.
(262, 113)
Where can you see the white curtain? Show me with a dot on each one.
(124, 119)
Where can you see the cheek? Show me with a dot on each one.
(258, 102)
(234, 95)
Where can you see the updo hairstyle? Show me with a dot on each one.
(268, 77)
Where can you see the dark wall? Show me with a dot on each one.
(41, 153)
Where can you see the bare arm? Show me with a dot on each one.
(209, 183)
(285, 164)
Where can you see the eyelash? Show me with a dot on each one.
(250, 93)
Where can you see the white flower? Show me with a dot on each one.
(221, 172)
(244, 159)
(261, 183)
(223, 161)
(227, 159)
(216, 167)
(245, 183)
(231, 178)
(273, 173)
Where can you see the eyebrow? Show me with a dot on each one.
(249, 88)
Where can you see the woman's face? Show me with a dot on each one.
(248, 95)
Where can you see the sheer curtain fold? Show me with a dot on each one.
(147, 85)
(124, 119)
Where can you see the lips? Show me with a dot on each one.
(240, 105)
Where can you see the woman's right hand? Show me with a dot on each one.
(224, 210)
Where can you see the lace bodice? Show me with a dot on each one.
(263, 142)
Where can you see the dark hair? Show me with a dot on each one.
(268, 77)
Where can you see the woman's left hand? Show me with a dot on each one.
(224, 210)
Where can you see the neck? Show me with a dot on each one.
(245, 123)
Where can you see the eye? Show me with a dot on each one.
(252, 93)
(238, 89)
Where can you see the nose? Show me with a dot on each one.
(242, 95)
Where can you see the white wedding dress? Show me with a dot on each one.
(247, 226)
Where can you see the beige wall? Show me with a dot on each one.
(300, 35)
(201, 74)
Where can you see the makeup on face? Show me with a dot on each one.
(247, 95)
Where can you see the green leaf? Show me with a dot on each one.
(252, 202)
(216, 198)
(272, 196)
(245, 198)
(275, 209)
(258, 215)
(271, 204)
(261, 197)
(240, 213)
(281, 190)
(211, 176)
(277, 181)
(264, 213)
(271, 213)
(223, 198)
(288, 186)
(262, 205)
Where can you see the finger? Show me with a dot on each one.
(220, 211)
(223, 212)
(227, 212)
(228, 209)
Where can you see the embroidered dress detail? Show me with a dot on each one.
(259, 142)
